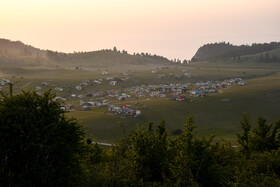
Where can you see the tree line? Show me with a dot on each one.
(40, 146)
(267, 58)
(226, 50)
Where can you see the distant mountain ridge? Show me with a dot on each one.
(18, 53)
(222, 50)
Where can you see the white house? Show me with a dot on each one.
(97, 81)
(58, 89)
(78, 87)
(38, 88)
(113, 83)
(110, 78)
(138, 113)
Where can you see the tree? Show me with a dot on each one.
(261, 59)
(143, 155)
(178, 61)
(267, 58)
(193, 161)
(238, 58)
(266, 136)
(243, 139)
(39, 145)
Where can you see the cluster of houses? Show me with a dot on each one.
(100, 99)
(126, 110)
(84, 83)
(96, 81)
(3, 81)
(178, 92)
(188, 75)
(87, 105)
(170, 75)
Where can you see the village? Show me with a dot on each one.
(179, 92)
(118, 101)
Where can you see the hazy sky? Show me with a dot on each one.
(171, 28)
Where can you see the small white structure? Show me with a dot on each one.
(138, 113)
(45, 83)
(110, 78)
(57, 98)
(104, 73)
(78, 87)
(38, 88)
(113, 83)
(4, 81)
(58, 89)
(97, 81)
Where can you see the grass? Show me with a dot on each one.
(213, 116)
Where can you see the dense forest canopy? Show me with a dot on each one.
(222, 50)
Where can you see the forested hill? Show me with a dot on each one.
(10, 48)
(106, 57)
(18, 53)
(222, 50)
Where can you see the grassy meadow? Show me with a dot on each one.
(213, 116)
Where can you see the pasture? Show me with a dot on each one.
(213, 115)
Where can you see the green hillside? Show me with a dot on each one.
(224, 50)
(15, 53)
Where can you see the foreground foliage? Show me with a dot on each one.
(39, 146)
(147, 157)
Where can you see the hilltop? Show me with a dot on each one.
(223, 50)
(20, 54)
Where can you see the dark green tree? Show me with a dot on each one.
(193, 162)
(267, 57)
(143, 156)
(244, 137)
(261, 59)
(39, 145)
(266, 136)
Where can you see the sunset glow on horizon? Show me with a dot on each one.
(174, 29)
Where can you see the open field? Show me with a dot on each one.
(213, 116)
(260, 98)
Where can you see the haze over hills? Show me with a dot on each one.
(222, 50)
(18, 53)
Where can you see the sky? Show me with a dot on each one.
(170, 28)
